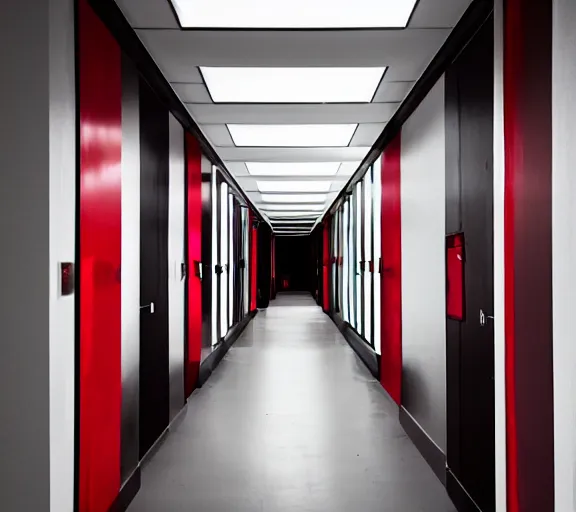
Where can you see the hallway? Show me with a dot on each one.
(291, 421)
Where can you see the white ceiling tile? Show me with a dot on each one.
(392, 91)
(348, 168)
(438, 13)
(180, 51)
(366, 134)
(293, 154)
(218, 135)
(148, 13)
(293, 114)
(192, 93)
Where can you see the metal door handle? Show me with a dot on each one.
(151, 306)
(483, 317)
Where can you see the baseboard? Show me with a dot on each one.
(127, 493)
(213, 360)
(365, 352)
(433, 455)
(461, 499)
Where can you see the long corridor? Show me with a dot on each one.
(291, 421)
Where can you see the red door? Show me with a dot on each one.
(391, 273)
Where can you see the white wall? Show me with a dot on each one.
(564, 250)
(499, 310)
(37, 229)
(176, 285)
(423, 194)
(62, 248)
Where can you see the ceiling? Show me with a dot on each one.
(404, 52)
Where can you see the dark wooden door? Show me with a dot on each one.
(470, 363)
(154, 350)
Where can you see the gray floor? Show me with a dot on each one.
(290, 421)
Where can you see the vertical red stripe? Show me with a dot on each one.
(391, 304)
(100, 96)
(194, 169)
(326, 266)
(513, 158)
(253, 264)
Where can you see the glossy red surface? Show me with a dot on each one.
(513, 158)
(391, 324)
(100, 242)
(455, 277)
(326, 264)
(253, 264)
(194, 164)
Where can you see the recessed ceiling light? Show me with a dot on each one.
(292, 135)
(299, 221)
(293, 169)
(292, 207)
(294, 198)
(292, 85)
(294, 186)
(294, 14)
(303, 214)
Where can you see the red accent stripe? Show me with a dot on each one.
(100, 95)
(391, 304)
(194, 164)
(253, 264)
(513, 158)
(326, 267)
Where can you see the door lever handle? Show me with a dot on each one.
(151, 306)
(484, 317)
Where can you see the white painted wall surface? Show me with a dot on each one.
(176, 285)
(499, 318)
(564, 250)
(62, 248)
(423, 166)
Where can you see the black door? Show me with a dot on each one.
(154, 376)
(470, 357)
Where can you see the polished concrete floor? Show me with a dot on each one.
(291, 421)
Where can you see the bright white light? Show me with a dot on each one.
(294, 186)
(294, 14)
(290, 221)
(294, 198)
(293, 169)
(292, 135)
(292, 207)
(292, 85)
(308, 215)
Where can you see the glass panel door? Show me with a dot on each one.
(224, 261)
(377, 196)
(231, 260)
(346, 265)
(368, 259)
(359, 259)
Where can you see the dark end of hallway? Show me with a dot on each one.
(291, 420)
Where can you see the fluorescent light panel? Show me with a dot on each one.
(292, 135)
(294, 14)
(292, 207)
(304, 214)
(294, 186)
(292, 85)
(294, 198)
(293, 169)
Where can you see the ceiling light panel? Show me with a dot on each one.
(294, 186)
(292, 135)
(292, 85)
(292, 207)
(293, 169)
(308, 215)
(294, 198)
(294, 14)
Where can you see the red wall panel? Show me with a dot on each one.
(326, 266)
(391, 323)
(528, 254)
(194, 166)
(100, 249)
(253, 264)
